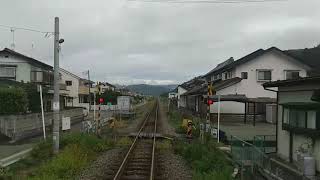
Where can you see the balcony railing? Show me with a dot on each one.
(44, 77)
(83, 90)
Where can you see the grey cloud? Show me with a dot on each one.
(132, 42)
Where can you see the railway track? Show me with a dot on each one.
(140, 160)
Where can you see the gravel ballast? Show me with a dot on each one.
(102, 167)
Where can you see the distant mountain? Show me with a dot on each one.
(153, 90)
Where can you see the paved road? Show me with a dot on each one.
(247, 131)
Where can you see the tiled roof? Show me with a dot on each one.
(309, 56)
(260, 52)
(290, 82)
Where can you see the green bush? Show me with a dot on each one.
(67, 164)
(87, 141)
(205, 159)
(42, 151)
(78, 149)
(33, 96)
(13, 100)
(213, 175)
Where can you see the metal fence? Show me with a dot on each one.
(266, 143)
(253, 160)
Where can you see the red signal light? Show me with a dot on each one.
(210, 101)
(100, 100)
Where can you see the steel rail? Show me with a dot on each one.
(154, 144)
(125, 160)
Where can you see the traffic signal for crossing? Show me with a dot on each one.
(210, 101)
(101, 100)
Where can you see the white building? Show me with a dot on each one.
(246, 76)
(18, 67)
(71, 81)
(105, 86)
(181, 100)
(298, 119)
(172, 95)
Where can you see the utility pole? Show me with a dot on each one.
(89, 92)
(56, 99)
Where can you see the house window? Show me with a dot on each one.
(69, 83)
(217, 76)
(300, 118)
(291, 74)
(8, 72)
(69, 99)
(264, 75)
(227, 75)
(244, 75)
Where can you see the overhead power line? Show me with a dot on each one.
(22, 28)
(12, 29)
(208, 1)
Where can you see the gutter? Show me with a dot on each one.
(277, 119)
(14, 158)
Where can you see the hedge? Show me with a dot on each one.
(13, 100)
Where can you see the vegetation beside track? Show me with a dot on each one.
(77, 151)
(206, 160)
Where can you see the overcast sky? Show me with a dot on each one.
(156, 43)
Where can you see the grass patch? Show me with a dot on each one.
(124, 141)
(77, 150)
(164, 145)
(67, 164)
(206, 161)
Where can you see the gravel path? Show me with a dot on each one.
(133, 125)
(100, 168)
(164, 126)
(173, 167)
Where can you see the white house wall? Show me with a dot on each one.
(73, 90)
(274, 61)
(23, 69)
(180, 101)
(228, 107)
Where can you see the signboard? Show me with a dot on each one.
(56, 106)
(214, 132)
(123, 103)
(66, 125)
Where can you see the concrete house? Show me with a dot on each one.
(71, 83)
(240, 82)
(105, 86)
(298, 118)
(183, 88)
(18, 67)
(84, 87)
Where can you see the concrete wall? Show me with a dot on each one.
(228, 107)
(298, 139)
(21, 126)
